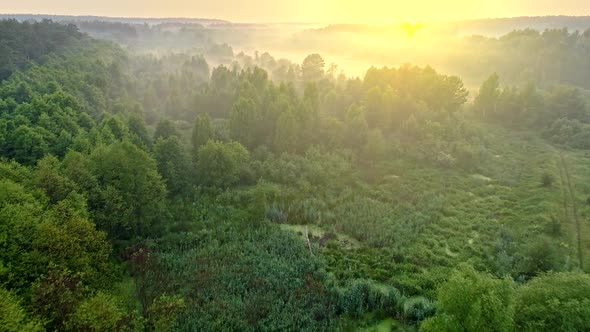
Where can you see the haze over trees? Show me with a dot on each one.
(198, 190)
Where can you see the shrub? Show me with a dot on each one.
(473, 301)
(547, 180)
(554, 302)
(362, 296)
(98, 313)
(13, 318)
(418, 308)
(221, 164)
(541, 256)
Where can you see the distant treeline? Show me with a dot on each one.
(129, 20)
(546, 58)
(23, 43)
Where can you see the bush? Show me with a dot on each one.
(554, 302)
(418, 308)
(363, 296)
(541, 256)
(13, 318)
(98, 313)
(221, 164)
(547, 180)
(473, 301)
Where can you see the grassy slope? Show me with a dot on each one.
(579, 163)
(416, 224)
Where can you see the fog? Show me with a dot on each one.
(469, 49)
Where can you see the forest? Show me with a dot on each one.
(205, 189)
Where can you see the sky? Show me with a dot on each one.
(317, 11)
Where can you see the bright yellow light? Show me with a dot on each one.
(384, 11)
(319, 11)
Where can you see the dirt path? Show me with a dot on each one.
(564, 169)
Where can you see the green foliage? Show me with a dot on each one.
(24, 43)
(174, 164)
(164, 311)
(356, 128)
(56, 186)
(128, 177)
(312, 68)
(486, 101)
(547, 180)
(287, 133)
(438, 92)
(244, 118)
(34, 239)
(13, 318)
(560, 113)
(361, 297)
(472, 301)
(56, 295)
(221, 164)
(395, 180)
(202, 132)
(418, 308)
(138, 131)
(75, 245)
(566, 102)
(238, 280)
(541, 256)
(165, 129)
(27, 145)
(554, 302)
(569, 133)
(98, 313)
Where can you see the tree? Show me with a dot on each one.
(221, 164)
(13, 318)
(356, 128)
(288, 131)
(487, 99)
(554, 302)
(138, 131)
(131, 190)
(244, 121)
(376, 147)
(56, 295)
(473, 301)
(102, 312)
(165, 129)
(312, 68)
(565, 102)
(116, 127)
(202, 132)
(27, 145)
(173, 164)
(311, 96)
(19, 217)
(56, 186)
(74, 244)
(56, 236)
(541, 256)
(164, 311)
(378, 108)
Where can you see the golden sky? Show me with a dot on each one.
(320, 11)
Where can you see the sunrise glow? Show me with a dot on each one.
(323, 11)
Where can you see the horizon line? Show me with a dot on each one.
(226, 21)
